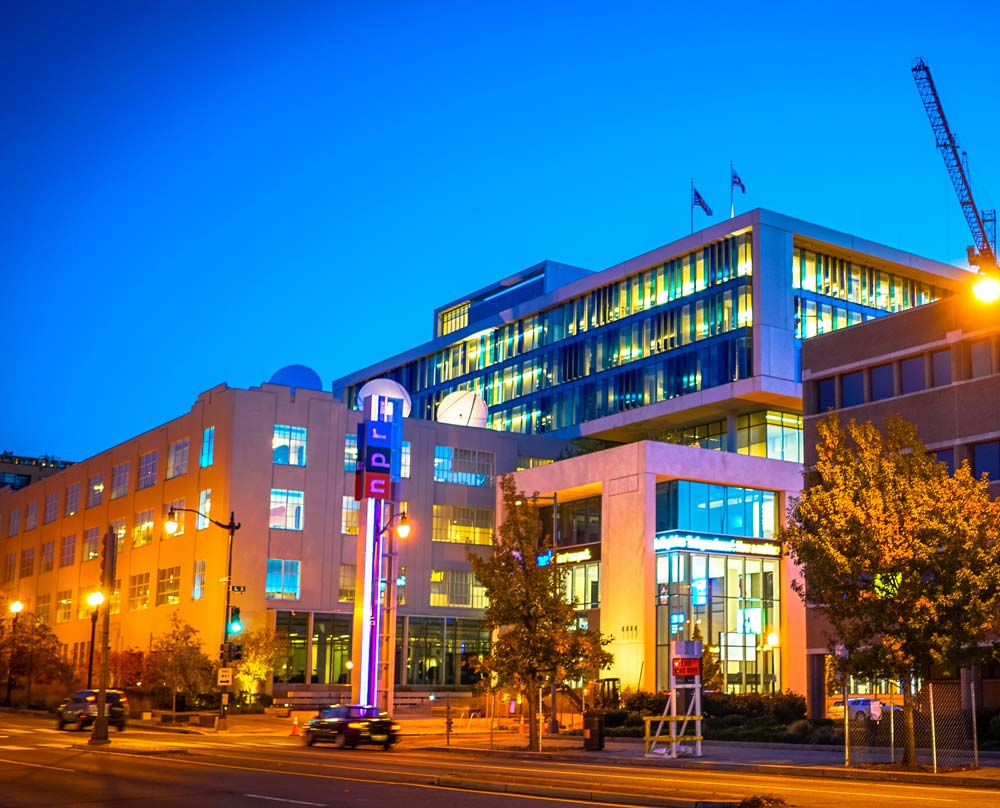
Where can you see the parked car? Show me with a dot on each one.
(861, 708)
(80, 709)
(349, 725)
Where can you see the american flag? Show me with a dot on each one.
(737, 182)
(698, 199)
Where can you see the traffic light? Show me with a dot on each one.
(235, 624)
(237, 653)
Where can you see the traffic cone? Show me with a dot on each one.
(295, 726)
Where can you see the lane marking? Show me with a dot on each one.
(279, 799)
(37, 766)
(12, 748)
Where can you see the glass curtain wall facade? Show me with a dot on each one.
(717, 574)
(673, 329)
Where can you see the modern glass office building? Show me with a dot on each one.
(696, 342)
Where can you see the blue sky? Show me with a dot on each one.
(196, 193)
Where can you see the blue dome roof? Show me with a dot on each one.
(297, 376)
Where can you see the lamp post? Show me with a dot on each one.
(16, 607)
(94, 599)
(171, 526)
(387, 606)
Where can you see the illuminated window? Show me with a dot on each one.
(456, 588)
(115, 602)
(207, 447)
(348, 582)
(138, 592)
(453, 319)
(464, 466)
(147, 470)
(204, 509)
(118, 530)
(95, 490)
(168, 586)
(282, 582)
(72, 499)
(177, 458)
(177, 506)
(286, 509)
(64, 607)
(349, 512)
(91, 543)
(288, 445)
(142, 531)
(460, 525)
(351, 453)
(198, 589)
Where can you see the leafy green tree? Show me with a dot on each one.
(536, 641)
(902, 558)
(178, 663)
(32, 653)
(261, 651)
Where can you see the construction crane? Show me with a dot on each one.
(982, 224)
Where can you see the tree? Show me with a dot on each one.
(536, 640)
(33, 653)
(711, 668)
(125, 667)
(261, 651)
(902, 559)
(178, 663)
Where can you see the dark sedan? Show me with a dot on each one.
(349, 725)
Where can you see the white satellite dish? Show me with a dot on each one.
(464, 408)
(387, 388)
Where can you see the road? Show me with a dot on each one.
(40, 766)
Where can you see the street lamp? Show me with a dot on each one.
(94, 599)
(16, 607)
(171, 526)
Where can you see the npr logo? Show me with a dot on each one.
(373, 478)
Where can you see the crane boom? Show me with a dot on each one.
(981, 224)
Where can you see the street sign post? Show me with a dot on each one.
(225, 677)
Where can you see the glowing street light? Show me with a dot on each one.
(16, 607)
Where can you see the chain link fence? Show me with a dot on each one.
(944, 731)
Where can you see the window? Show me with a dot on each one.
(980, 358)
(27, 562)
(282, 579)
(947, 456)
(460, 525)
(457, 588)
(118, 530)
(95, 490)
(198, 589)
(48, 557)
(348, 582)
(349, 516)
(119, 481)
(941, 367)
(204, 508)
(14, 522)
(911, 375)
(91, 543)
(115, 603)
(64, 608)
(31, 516)
(142, 531)
(825, 395)
(881, 380)
(42, 607)
(138, 592)
(453, 319)
(168, 586)
(463, 466)
(177, 458)
(286, 509)
(852, 389)
(72, 499)
(67, 551)
(289, 445)
(10, 568)
(351, 453)
(207, 447)
(177, 506)
(404, 461)
(147, 470)
(986, 460)
(51, 507)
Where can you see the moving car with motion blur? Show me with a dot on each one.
(350, 725)
(80, 709)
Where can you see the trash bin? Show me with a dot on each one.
(593, 731)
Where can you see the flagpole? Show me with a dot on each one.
(732, 210)
(692, 205)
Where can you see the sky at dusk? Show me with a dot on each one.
(204, 192)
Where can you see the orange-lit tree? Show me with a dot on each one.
(901, 557)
